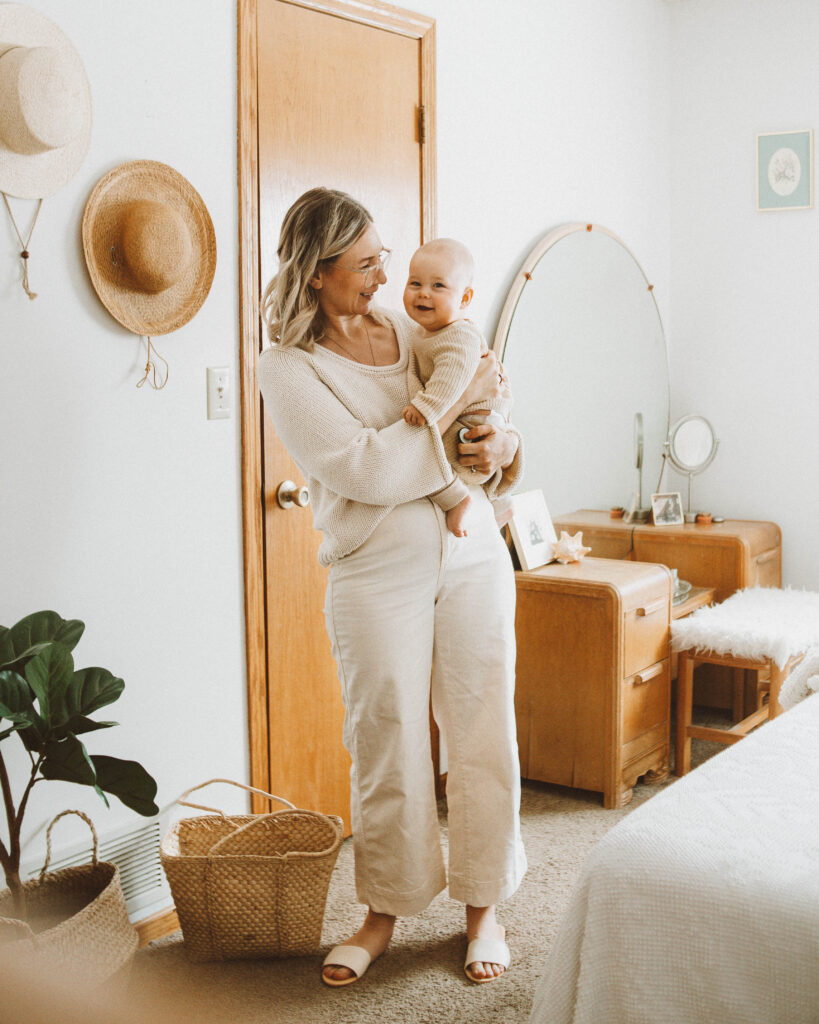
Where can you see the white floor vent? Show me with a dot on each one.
(135, 851)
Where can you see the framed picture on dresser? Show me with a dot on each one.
(531, 528)
(666, 509)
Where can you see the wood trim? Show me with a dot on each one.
(157, 926)
(379, 15)
(373, 12)
(249, 345)
(429, 150)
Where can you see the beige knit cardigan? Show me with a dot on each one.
(341, 423)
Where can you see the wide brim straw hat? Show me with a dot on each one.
(149, 246)
(45, 105)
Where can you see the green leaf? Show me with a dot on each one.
(33, 736)
(68, 760)
(128, 781)
(16, 703)
(91, 689)
(78, 725)
(30, 634)
(49, 674)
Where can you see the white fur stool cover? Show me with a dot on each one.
(756, 623)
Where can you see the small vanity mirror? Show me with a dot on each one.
(581, 338)
(692, 445)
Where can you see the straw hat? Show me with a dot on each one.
(45, 105)
(149, 246)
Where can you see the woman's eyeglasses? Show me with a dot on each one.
(369, 273)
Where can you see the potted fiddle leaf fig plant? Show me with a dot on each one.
(48, 704)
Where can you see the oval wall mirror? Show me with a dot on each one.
(581, 338)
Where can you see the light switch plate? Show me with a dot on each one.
(218, 392)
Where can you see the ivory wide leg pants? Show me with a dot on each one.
(414, 602)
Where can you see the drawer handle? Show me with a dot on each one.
(656, 606)
(644, 677)
(767, 556)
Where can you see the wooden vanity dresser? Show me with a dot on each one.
(593, 692)
(727, 556)
(593, 677)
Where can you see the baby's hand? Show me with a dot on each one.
(413, 416)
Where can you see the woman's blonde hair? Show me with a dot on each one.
(321, 225)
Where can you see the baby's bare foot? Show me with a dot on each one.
(455, 517)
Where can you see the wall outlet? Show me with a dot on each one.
(218, 392)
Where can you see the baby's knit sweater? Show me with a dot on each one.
(341, 423)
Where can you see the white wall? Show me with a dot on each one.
(746, 303)
(551, 111)
(122, 507)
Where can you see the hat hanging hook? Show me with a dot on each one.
(150, 369)
(24, 253)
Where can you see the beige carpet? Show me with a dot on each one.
(420, 979)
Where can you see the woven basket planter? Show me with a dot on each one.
(251, 885)
(76, 923)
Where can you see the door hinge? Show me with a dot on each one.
(422, 126)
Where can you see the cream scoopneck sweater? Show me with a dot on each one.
(341, 423)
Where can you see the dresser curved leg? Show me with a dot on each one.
(656, 775)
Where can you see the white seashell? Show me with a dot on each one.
(569, 549)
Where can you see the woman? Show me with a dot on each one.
(405, 599)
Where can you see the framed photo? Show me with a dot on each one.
(784, 170)
(666, 509)
(532, 531)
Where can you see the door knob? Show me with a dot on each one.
(290, 494)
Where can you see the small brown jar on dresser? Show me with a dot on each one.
(593, 680)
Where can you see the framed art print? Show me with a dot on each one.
(666, 509)
(784, 170)
(532, 531)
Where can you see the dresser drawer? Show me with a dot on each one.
(651, 740)
(646, 700)
(646, 634)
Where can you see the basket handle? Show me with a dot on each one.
(218, 848)
(15, 922)
(215, 810)
(54, 821)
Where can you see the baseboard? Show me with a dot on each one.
(156, 926)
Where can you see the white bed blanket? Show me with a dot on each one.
(703, 904)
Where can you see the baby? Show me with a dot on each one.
(444, 357)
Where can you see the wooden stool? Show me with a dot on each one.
(763, 629)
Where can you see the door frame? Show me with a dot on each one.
(378, 15)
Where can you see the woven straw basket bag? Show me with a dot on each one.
(77, 922)
(251, 885)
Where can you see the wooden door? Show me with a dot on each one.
(337, 104)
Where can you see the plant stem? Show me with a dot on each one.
(10, 858)
(8, 799)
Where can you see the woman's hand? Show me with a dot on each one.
(488, 381)
(488, 448)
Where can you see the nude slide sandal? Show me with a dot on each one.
(487, 951)
(353, 957)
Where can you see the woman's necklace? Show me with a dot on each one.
(352, 355)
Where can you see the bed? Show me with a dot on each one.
(703, 904)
